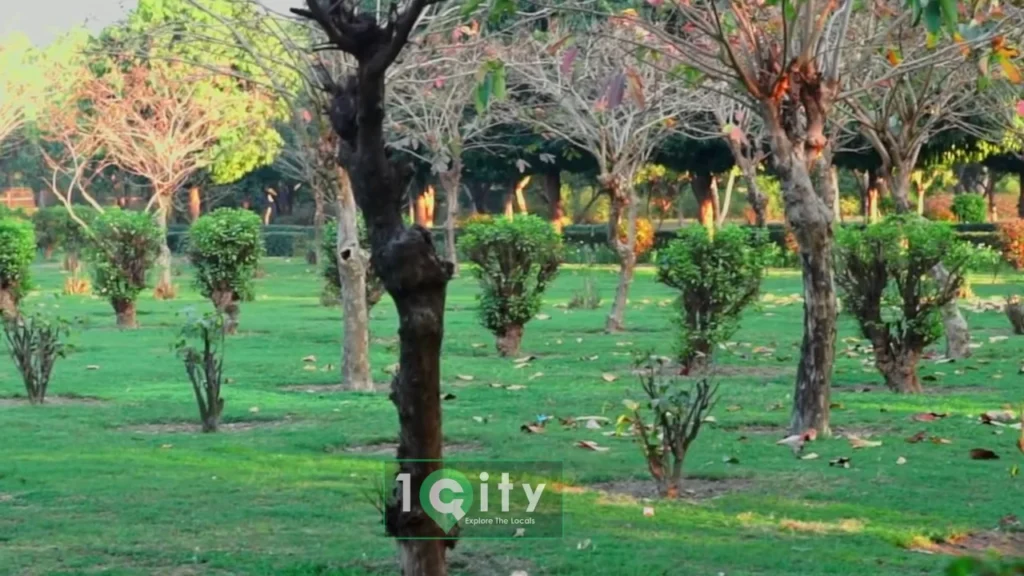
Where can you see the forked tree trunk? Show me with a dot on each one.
(622, 197)
(163, 261)
(899, 367)
(227, 305)
(508, 342)
(452, 180)
(553, 191)
(352, 267)
(125, 311)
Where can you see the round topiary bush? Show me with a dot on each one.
(969, 208)
(17, 250)
(717, 277)
(124, 247)
(331, 275)
(515, 259)
(225, 247)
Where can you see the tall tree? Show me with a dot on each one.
(18, 85)
(404, 258)
(591, 90)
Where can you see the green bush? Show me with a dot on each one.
(17, 251)
(883, 274)
(969, 208)
(978, 567)
(717, 277)
(332, 279)
(124, 248)
(56, 229)
(515, 259)
(225, 247)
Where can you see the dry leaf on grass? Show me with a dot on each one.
(477, 345)
(919, 437)
(309, 368)
(524, 359)
(590, 445)
(940, 440)
(929, 416)
(856, 442)
(92, 367)
(983, 454)
(535, 376)
(593, 425)
(254, 410)
(901, 461)
(733, 408)
(609, 377)
(997, 416)
(464, 377)
(841, 462)
(994, 339)
(515, 387)
(648, 511)
(532, 429)
(448, 396)
(810, 456)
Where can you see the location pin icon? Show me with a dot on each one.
(446, 496)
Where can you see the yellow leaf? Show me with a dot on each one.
(1010, 70)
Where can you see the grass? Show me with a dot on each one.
(92, 489)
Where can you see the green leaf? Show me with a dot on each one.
(950, 14)
(483, 93)
(499, 82)
(933, 17)
(916, 12)
(470, 7)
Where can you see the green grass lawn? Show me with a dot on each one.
(102, 488)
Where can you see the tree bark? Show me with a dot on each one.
(722, 210)
(425, 208)
(313, 254)
(163, 261)
(990, 195)
(508, 342)
(452, 180)
(958, 335)
(553, 191)
(352, 267)
(8, 304)
(125, 311)
(899, 368)
(705, 189)
(227, 305)
(195, 204)
(875, 183)
(521, 194)
(622, 196)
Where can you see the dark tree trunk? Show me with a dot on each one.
(508, 342)
(899, 367)
(478, 194)
(553, 191)
(875, 184)
(125, 310)
(705, 189)
(452, 181)
(227, 305)
(817, 352)
(621, 195)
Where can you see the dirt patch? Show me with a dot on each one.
(52, 400)
(196, 428)
(1003, 543)
(389, 448)
(332, 388)
(694, 489)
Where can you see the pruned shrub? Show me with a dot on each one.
(969, 208)
(644, 235)
(939, 208)
(225, 247)
(666, 420)
(331, 295)
(515, 259)
(124, 247)
(34, 344)
(201, 347)
(1011, 242)
(17, 251)
(883, 274)
(717, 277)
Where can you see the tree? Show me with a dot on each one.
(405, 258)
(786, 60)
(17, 85)
(586, 89)
(432, 107)
(123, 247)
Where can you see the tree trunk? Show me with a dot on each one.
(722, 210)
(125, 310)
(705, 189)
(921, 189)
(313, 254)
(621, 193)
(958, 335)
(163, 286)
(195, 204)
(1015, 313)
(478, 194)
(452, 180)
(990, 195)
(416, 278)
(521, 194)
(900, 371)
(508, 342)
(901, 188)
(8, 305)
(352, 267)
(553, 190)
(227, 305)
(425, 208)
(873, 192)
(509, 210)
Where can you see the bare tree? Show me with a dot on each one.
(591, 91)
(404, 258)
(17, 91)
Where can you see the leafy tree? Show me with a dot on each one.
(17, 251)
(225, 247)
(969, 208)
(515, 260)
(884, 272)
(123, 247)
(718, 275)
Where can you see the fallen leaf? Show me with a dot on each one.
(448, 396)
(920, 436)
(856, 442)
(1014, 471)
(810, 456)
(523, 365)
(837, 406)
(591, 358)
(497, 385)
(710, 420)
(648, 511)
(167, 446)
(996, 416)
(92, 367)
(983, 454)
(309, 358)
(254, 410)
(590, 445)
(774, 407)
(309, 368)
(535, 376)
(733, 408)
(524, 359)
(519, 533)
(993, 339)
(478, 345)
(901, 461)
(609, 377)
(515, 387)
(579, 340)
(928, 416)
(532, 428)
(730, 460)
(479, 419)
(542, 317)
(593, 425)
(583, 544)
(939, 440)
(465, 377)
(842, 462)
